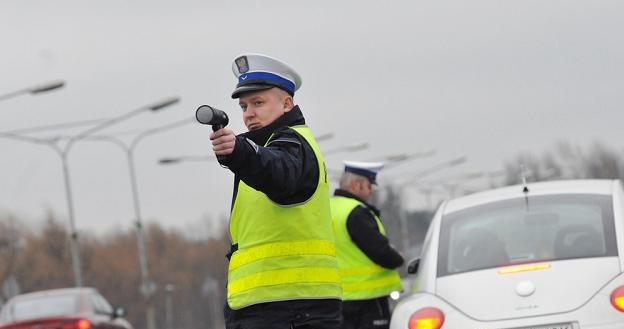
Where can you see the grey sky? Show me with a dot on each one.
(485, 79)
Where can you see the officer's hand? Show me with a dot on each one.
(223, 141)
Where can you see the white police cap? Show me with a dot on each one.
(366, 169)
(259, 72)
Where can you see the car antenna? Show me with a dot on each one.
(525, 187)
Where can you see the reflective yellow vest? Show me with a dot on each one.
(361, 277)
(284, 252)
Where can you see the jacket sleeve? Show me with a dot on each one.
(363, 230)
(285, 170)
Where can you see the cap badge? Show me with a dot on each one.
(242, 64)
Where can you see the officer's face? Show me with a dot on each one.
(261, 108)
(363, 188)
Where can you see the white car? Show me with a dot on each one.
(548, 256)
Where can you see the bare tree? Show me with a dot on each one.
(40, 259)
(567, 161)
(10, 243)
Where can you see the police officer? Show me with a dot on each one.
(366, 259)
(283, 271)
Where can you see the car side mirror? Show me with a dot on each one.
(119, 312)
(412, 266)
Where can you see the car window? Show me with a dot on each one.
(100, 305)
(541, 228)
(43, 306)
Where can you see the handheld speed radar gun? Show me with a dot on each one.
(209, 115)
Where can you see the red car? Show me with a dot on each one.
(70, 308)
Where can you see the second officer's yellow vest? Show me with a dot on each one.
(284, 252)
(361, 278)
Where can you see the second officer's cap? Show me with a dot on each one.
(366, 169)
(259, 72)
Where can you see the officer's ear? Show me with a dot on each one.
(286, 100)
(356, 186)
(288, 103)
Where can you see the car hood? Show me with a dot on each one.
(546, 288)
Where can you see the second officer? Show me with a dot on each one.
(366, 259)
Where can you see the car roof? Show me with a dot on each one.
(587, 186)
(52, 292)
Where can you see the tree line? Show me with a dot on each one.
(566, 161)
(193, 269)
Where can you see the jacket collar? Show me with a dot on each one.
(347, 194)
(291, 118)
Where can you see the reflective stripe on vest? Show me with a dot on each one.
(361, 278)
(284, 252)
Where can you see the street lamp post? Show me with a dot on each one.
(210, 291)
(169, 289)
(63, 153)
(9, 252)
(48, 86)
(147, 288)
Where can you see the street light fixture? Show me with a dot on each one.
(48, 86)
(324, 137)
(441, 166)
(399, 159)
(346, 148)
(452, 184)
(53, 127)
(63, 153)
(175, 160)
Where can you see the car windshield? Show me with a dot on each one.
(44, 306)
(523, 230)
